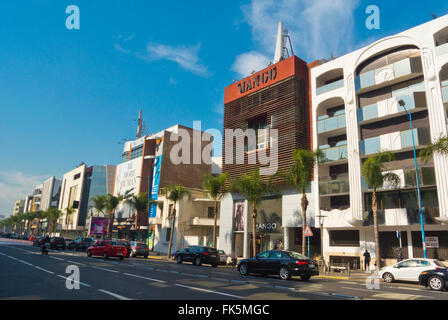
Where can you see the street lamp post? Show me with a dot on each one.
(321, 223)
(422, 223)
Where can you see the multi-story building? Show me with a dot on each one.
(19, 207)
(148, 166)
(36, 199)
(275, 98)
(51, 192)
(73, 195)
(357, 113)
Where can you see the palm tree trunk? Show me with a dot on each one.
(304, 205)
(375, 229)
(254, 234)
(214, 224)
(172, 231)
(111, 224)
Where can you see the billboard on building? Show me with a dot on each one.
(238, 216)
(155, 186)
(99, 226)
(127, 177)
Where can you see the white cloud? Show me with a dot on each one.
(247, 62)
(15, 185)
(186, 57)
(118, 47)
(317, 28)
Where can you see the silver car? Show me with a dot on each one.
(222, 257)
(139, 249)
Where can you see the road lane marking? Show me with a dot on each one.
(42, 269)
(114, 295)
(56, 258)
(202, 276)
(146, 278)
(75, 281)
(82, 264)
(285, 288)
(104, 269)
(342, 296)
(210, 291)
(25, 262)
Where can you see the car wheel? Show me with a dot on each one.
(214, 265)
(305, 277)
(388, 277)
(145, 256)
(436, 283)
(89, 254)
(244, 270)
(179, 259)
(197, 261)
(284, 273)
(121, 258)
(105, 256)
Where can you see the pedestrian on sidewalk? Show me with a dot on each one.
(367, 261)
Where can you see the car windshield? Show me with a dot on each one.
(209, 249)
(221, 252)
(142, 245)
(125, 242)
(296, 255)
(115, 243)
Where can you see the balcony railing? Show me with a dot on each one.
(426, 176)
(374, 79)
(402, 216)
(390, 106)
(202, 221)
(340, 185)
(395, 141)
(330, 87)
(330, 124)
(337, 153)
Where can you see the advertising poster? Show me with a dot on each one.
(238, 216)
(99, 226)
(155, 186)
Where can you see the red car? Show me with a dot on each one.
(106, 249)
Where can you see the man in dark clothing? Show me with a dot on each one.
(367, 260)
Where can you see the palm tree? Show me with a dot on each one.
(174, 193)
(140, 204)
(372, 171)
(53, 214)
(99, 203)
(440, 146)
(254, 188)
(112, 203)
(300, 176)
(215, 188)
(39, 215)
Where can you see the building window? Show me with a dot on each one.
(211, 213)
(344, 238)
(261, 132)
(77, 176)
(168, 234)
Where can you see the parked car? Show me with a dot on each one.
(139, 249)
(106, 249)
(57, 243)
(81, 244)
(222, 257)
(283, 263)
(198, 255)
(127, 245)
(68, 241)
(409, 269)
(436, 279)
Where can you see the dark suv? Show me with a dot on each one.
(81, 244)
(198, 255)
(57, 243)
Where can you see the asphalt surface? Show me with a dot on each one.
(26, 274)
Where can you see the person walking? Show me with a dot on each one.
(367, 260)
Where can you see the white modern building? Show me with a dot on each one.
(51, 191)
(356, 114)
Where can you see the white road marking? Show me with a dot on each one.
(25, 262)
(210, 291)
(150, 279)
(82, 264)
(42, 269)
(114, 295)
(82, 283)
(56, 258)
(104, 269)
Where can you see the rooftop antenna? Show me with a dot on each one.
(140, 125)
(281, 49)
(433, 15)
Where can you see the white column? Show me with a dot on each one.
(410, 247)
(246, 230)
(286, 238)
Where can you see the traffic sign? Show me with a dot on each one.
(308, 232)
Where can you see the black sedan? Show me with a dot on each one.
(81, 244)
(57, 243)
(282, 263)
(198, 255)
(435, 279)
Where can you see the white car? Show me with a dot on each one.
(409, 270)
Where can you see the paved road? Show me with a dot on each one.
(26, 274)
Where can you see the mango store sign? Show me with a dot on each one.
(257, 80)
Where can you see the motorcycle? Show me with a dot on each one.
(44, 248)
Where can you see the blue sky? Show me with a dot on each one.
(69, 96)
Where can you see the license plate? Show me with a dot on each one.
(312, 266)
(213, 256)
